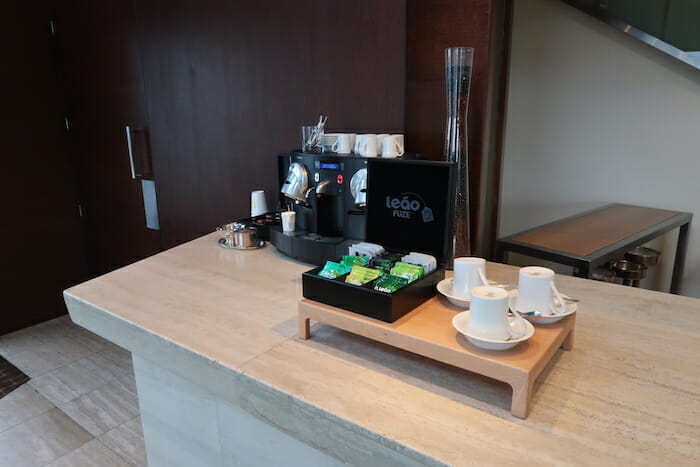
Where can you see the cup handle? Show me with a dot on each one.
(482, 276)
(513, 300)
(334, 146)
(523, 325)
(399, 147)
(562, 303)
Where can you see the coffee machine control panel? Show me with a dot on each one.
(333, 173)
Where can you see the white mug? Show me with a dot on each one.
(353, 137)
(366, 145)
(392, 146)
(469, 272)
(380, 141)
(536, 292)
(488, 315)
(343, 143)
(258, 204)
(289, 221)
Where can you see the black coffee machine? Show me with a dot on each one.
(327, 191)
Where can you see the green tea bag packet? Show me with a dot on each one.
(402, 267)
(332, 270)
(360, 275)
(393, 257)
(419, 269)
(428, 262)
(382, 264)
(408, 271)
(390, 284)
(353, 260)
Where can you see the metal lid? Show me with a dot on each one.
(643, 255)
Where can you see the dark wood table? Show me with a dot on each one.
(592, 238)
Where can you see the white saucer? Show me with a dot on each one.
(445, 288)
(461, 323)
(548, 319)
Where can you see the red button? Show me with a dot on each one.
(339, 179)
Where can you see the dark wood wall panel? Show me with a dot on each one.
(41, 234)
(433, 26)
(100, 64)
(229, 83)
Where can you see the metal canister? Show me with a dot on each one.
(239, 236)
(630, 273)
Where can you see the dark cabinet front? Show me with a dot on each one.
(100, 63)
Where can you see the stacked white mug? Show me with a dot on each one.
(344, 143)
(366, 145)
(380, 142)
(392, 146)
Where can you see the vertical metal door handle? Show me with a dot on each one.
(131, 152)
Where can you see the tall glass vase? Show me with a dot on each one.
(458, 73)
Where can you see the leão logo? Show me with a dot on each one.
(407, 206)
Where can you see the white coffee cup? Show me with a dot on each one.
(353, 137)
(488, 315)
(343, 143)
(536, 291)
(289, 221)
(380, 141)
(258, 203)
(366, 145)
(392, 146)
(469, 272)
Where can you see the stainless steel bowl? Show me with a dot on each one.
(239, 236)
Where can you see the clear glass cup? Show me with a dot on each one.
(311, 139)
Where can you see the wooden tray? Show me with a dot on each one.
(428, 331)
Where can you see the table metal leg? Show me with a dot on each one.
(679, 261)
(501, 254)
(583, 271)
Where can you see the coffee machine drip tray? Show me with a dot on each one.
(320, 238)
(309, 247)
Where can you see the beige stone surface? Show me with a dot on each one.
(627, 394)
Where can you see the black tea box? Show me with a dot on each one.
(410, 207)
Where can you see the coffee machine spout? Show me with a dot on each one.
(296, 184)
(323, 188)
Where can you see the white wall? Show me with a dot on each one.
(595, 116)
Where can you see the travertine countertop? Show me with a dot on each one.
(627, 394)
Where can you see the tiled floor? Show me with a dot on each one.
(80, 406)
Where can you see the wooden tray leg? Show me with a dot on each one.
(522, 393)
(568, 342)
(304, 327)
